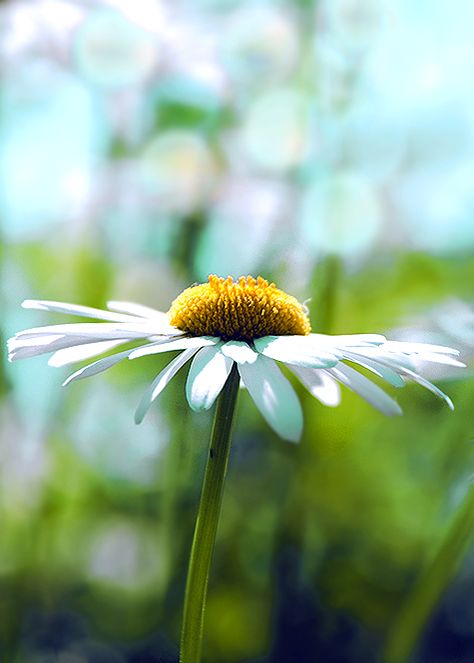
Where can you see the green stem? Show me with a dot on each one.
(324, 286)
(206, 522)
(431, 585)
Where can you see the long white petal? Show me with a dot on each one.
(81, 352)
(394, 360)
(437, 358)
(321, 385)
(430, 386)
(23, 348)
(207, 375)
(160, 382)
(75, 309)
(365, 388)
(348, 340)
(20, 347)
(377, 367)
(298, 350)
(101, 330)
(137, 310)
(97, 367)
(418, 348)
(174, 344)
(274, 397)
(240, 352)
(404, 365)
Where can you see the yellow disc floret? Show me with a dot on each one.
(240, 310)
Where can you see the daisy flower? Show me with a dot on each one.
(249, 323)
(231, 332)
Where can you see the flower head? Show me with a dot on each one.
(250, 323)
(240, 311)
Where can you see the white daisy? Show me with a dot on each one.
(250, 323)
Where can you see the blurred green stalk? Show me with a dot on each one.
(207, 521)
(324, 288)
(431, 585)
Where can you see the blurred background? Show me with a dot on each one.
(327, 145)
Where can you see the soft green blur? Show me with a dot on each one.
(328, 146)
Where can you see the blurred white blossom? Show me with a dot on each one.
(260, 44)
(105, 439)
(50, 145)
(178, 169)
(245, 206)
(112, 52)
(125, 556)
(340, 215)
(277, 132)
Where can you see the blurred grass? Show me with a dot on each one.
(433, 581)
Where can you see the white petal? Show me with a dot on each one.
(240, 352)
(322, 386)
(349, 340)
(207, 375)
(376, 367)
(438, 358)
(160, 382)
(81, 352)
(274, 397)
(418, 348)
(74, 309)
(23, 348)
(299, 350)
(430, 386)
(395, 360)
(97, 367)
(365, 388)
(30, 343)
(137, 310)
(174, 344)
(101, 330)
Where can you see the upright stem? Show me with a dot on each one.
(206, 522)
(324, 284)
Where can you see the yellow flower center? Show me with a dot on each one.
(242, 310)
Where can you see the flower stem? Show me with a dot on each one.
(206, 522)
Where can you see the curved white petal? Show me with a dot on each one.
(319, 384)
(240, 352)
(27, 344)
(31, 347)
(298, 350)
(207, 375)
(80, 352)
(348, 340)
(274, 396)
(365, 388)
(395, 360)
(173, 344)
(23, 348)
(137, 310)
(430, 386)
(376, 367)
(437, 358)
(101, 330)
(97, 367)
(418, 348)
(160, 382)
(74, 309)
